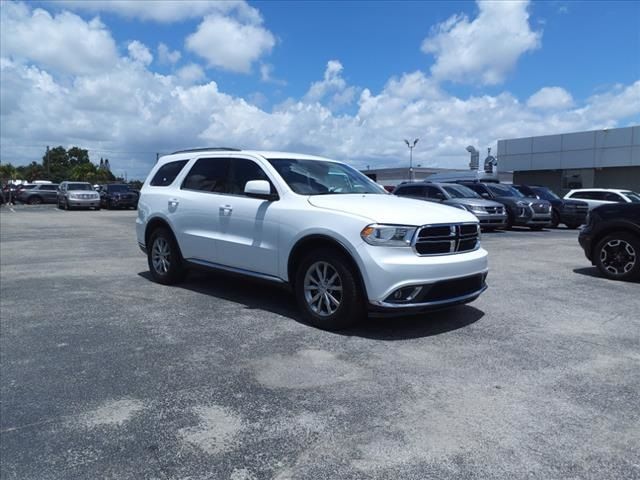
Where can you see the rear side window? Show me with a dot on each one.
(411, 191)
(167, 173)
(208, 175)
(589, 195)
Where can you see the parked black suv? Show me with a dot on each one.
(117, 196)
(572, 213)
(611, 240)
(521, 211)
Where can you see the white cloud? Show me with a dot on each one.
(64, 43)
(139, 52)
(266, 75)
(551, 98)
(164, 11)
(332, 85)
(167, 56)
(226, 43)
(190, 74)
(484, 49)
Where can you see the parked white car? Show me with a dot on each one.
(601, 196)
(334, 236)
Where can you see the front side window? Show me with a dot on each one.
(167, 173)
(242, 171)
(612, 197)
(319, 177)
(208, 175)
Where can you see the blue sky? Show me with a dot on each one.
(344, 79)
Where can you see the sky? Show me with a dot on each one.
(346, 80)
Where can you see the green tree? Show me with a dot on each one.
(77, 156)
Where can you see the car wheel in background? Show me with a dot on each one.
(536, 228)
(509, 224)
(327, 290)
(35, 200)
(572, 226)
(617, 256)
(555, 219)
(164, 258)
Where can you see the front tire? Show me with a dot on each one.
(327, 290)
(617, 256)
(555, 219)
(164, 258)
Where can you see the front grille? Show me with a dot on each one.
(540, 208)
(85, 196)
(495, 210)
(447, 239)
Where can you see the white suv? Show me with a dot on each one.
(319, 226)
(595, 197)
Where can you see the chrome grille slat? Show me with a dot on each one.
(446, 239)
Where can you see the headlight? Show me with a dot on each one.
(477, 209)
(73, 195)
(388, 235)
(522, 204)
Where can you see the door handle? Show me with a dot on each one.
(225, 210)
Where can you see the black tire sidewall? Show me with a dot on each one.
(351, 308)
(634, 241)
(176, 265)
(555, 219)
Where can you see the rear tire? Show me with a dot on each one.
(617, 256)
(327, 290)
(509, 224)
(164, 258)
(35, 200)
(555, 219)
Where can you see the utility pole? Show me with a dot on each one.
(48, 164)
(411, 147)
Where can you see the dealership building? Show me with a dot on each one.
(607, 158)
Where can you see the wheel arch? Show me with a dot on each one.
(155, 223)
(615, 228)
(315, 241)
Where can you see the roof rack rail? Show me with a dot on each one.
(206, 149)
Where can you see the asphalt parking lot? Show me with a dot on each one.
(105, 374)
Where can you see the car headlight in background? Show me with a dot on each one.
(73, 195)
(388, 235)
(477, 209)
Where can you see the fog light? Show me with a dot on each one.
(406, 294)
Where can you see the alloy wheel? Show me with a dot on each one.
(618, 257)
(161, 256)
(323, 289)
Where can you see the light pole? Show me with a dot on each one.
(411, 147)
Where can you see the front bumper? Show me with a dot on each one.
(387, 269)
(491, 220)
(122, 202)
(585, 239)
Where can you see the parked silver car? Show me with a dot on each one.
(490, 214)
(77, 195)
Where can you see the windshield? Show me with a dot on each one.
(633, 196)
(545, 194)
(318, 177)
(118, 188)
(503, 190)
(460, 191)
(79, 186)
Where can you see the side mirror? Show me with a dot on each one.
(485, 195)
(259, 189)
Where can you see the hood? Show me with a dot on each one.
(391, 209)
(82, 191)
(478, 202)
(529, 200)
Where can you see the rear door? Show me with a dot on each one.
(49, 193)
(194, 208)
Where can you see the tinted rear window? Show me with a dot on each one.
(167, 173)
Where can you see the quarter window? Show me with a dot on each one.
(167, 173)
(208, 175)
(411, 191)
